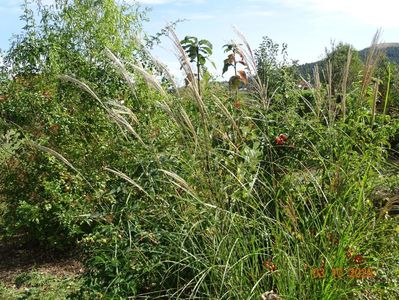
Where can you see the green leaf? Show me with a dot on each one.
(206, 43)
(190, 39)
(207, 50)
(201, 60)
(234, 82)
(228, 47)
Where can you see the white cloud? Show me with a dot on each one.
(155, 2)
(381, 13)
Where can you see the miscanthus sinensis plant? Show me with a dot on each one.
(231, 202)
(190, 196)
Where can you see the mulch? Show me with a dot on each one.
(17, 257)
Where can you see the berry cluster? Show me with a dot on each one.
(281, 139)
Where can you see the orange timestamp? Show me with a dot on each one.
(339, 273)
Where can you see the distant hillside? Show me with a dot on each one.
(391, 50)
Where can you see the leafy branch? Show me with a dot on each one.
(234, 58)
(198, 51)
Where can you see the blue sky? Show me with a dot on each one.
(307, 26)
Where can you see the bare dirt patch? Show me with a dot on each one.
(17, 257)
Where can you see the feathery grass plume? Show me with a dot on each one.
(374, 54)
(374, 103)
(83, 86)
(181, 183)
(193, 86)
(149, 79)
(166, 108)
(329, 79)
(345, 82)
(121, 69)
(186, 67)
(59, 157)
(128, 179)
(182, 57)
(114, 114)
(189, 124)
(182, 120)
(161, 66)
(317, 89)
(388, 89)
(119, 119)
(121, 109)
(250, 60)
(330, 95)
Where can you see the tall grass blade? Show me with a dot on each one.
(345, 82)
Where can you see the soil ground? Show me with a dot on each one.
(17, 257)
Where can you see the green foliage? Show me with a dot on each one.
(388, 72)
(51, 202)
(337, 57)
(235, 57)
(389, 50)
(273, 67)
(35, 285)
(10, 144)
(198, 52)
(177, 196)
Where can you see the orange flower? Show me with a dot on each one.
(237, 104)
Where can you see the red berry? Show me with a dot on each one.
(268, 264)
(283, 137)
(279, 141)
(358, 259)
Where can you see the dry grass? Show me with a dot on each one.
(250, 61)
(345, 82)
(317, 89)
(372, 59)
